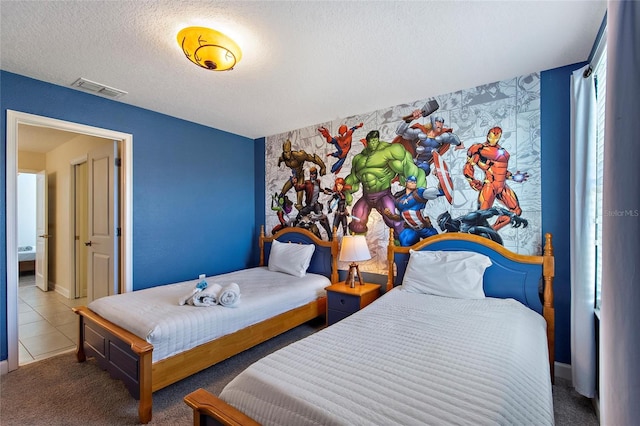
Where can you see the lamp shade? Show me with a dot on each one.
(209, 49)
(354, 248)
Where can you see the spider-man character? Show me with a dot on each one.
(342, 142)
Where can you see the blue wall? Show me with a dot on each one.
(259, 167)
(194, 187)
(555, 109)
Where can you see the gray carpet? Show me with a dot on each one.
(571, 408)
(56, 391)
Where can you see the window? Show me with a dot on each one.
(600, 71)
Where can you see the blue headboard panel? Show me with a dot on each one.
(324, 259)
(511, 275)
(505, 278)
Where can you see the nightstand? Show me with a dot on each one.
(343, 300)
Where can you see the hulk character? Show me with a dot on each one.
(375, 167)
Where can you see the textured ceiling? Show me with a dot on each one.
(304, 62)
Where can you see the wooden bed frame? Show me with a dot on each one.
(26, 266)
(129, 358)
(211, 410)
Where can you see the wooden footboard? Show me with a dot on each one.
(129, 358)
(124, 355)
(209, 410)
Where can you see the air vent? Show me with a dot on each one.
(97, 88)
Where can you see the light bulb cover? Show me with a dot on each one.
(354, 249)
(209, 49)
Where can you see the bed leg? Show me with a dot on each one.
(80, 355)
(144, 412)
(146, 399)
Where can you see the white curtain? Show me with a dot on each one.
(620, 305)
(583, 232)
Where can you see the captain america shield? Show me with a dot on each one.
(444, 177)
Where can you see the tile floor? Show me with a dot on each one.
(46, 324)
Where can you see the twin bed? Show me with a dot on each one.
(149, 341)
(463, 335)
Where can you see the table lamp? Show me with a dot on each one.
(354, 249)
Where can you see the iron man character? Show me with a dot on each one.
(493, 159)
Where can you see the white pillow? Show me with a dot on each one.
(455, 274)
(290, 258)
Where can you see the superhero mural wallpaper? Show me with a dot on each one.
(467, 161)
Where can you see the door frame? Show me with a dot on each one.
(15, 118)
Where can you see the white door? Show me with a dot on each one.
(81, 220)
(42, 229)
(102, 250)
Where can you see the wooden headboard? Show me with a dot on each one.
(526, 278)
(325, 256)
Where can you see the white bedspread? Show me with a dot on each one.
(154, 314)
(408, 359)
(26, 253)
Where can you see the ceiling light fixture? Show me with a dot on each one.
(209, 49)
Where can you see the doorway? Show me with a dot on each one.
(80, 226)
(14, 121)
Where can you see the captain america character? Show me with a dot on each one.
(410, 204)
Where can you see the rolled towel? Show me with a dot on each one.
(208, 296)
(187, 298)
(230, 295)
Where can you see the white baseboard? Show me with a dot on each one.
(563, 371)
(4, 367)
(63, 291)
